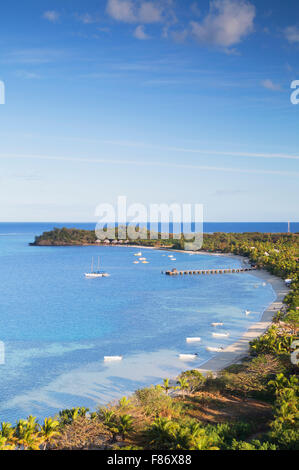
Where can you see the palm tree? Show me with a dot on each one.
(161, 433)
(124, 402)
(166, 386)
(183, 385)
(27, 433)
(49, 431)
(67, 416)
(125, 425)
(7, 431)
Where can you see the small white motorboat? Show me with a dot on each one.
(193, 340)
(220, 335)
(112, 358)
(173, 259)
(212, 349)
(138, 254)
(135, 262)
(217, 324)
(142, 259)
(187, 357)
(145, 262)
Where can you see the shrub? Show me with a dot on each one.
(154, 401)
(196, 380)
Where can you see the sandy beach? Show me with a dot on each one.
(236, 351)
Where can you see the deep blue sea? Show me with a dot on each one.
(57, 326)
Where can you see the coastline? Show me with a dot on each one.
(240, 348)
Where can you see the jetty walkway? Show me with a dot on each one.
(175, 272)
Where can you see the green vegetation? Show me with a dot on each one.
(248, 406)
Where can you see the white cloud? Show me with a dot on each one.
(140, 33)
(87, 18)
(271, 85)
(292, 34)
(131, 11)
(226, 24)
(122, 10)
(51, 15)
(150, 13)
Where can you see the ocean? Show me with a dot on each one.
(57, 326)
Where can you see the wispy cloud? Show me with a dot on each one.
(33, 56)
(51, 15)
(269, 85)
(27, 75)
(87, 18)
(229, 192)
(140, 33)
(292, 34)
(133, 11)
(151, 163)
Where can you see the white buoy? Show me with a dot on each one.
(193, 340)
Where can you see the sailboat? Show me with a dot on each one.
(94, 274)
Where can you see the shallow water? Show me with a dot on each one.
(57, 325)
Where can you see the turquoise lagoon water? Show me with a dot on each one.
(57, 325)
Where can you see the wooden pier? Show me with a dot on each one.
(175, 272)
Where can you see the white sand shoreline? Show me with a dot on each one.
(239, 349)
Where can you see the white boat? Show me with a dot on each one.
(187, 357)
(142, 259)
(193, 340)
(212, 349)
(217, 324)
(135, 262)
(170, 256)
(95, 274)
(173, 259)
(247, 312)
(220, 335)
(138, 254)
(112, 358)
(144, 262)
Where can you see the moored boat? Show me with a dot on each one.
(112, 358)
(193, 340)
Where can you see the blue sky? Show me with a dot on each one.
(162, 101)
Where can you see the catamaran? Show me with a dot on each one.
(94, 274)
